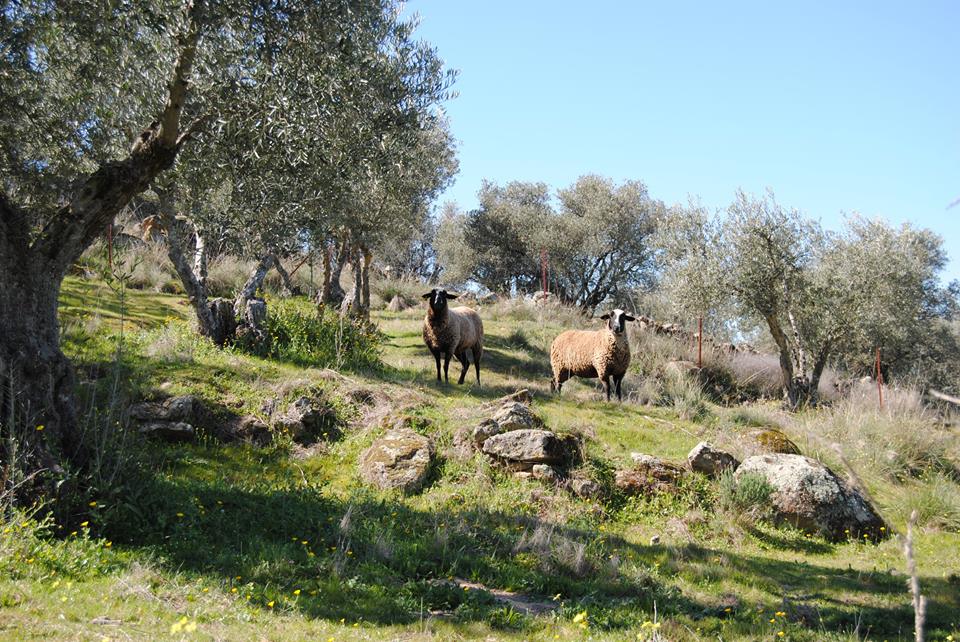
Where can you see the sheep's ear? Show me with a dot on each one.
(627, 317)
(427, 295)
(606, 317)
(451, 295)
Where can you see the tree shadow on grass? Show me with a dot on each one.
(220, 516)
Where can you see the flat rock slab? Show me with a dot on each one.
(399, 459)
(526, 446)
(810, 496)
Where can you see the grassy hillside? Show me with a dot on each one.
(215, 541)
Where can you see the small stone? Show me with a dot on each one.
(648, 475)
(586, 488)
(545, 472)
(654, 540)
(707, 459)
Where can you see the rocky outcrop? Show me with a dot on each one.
(247, 429)
(649, 475)
(399, 459)
(173, 419)
(707, 459)
(810, 496)
(309, 420)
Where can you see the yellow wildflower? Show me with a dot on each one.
(580, 617)
(296, 592)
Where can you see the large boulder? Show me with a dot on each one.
(771, 440)
(707, 459)
(308, 420)
(399, 459)
(526, 447)
(649, 475)
(810, 496)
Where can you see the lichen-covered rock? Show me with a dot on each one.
(707, 459)
(307, 420)
(174, 431)
(399, 459)
(545, 472)
(649, 475)
(527, 447)
(515, 415)
(173, 419)
(771, 440)
(586, 488)
(185, 408)
(488, 428)
(810, 496)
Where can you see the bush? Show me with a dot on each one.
(299, 334)
(747, 497)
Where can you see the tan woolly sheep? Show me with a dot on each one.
(451, 332)
(593, 353)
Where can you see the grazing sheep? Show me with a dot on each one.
(593, 353)
(451, 332)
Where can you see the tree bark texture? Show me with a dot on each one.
(36, 379)
(364, 310)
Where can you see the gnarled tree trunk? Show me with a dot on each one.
(36, 379)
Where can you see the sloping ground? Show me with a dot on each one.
(284, 543)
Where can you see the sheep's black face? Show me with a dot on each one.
(617, 321)
(438, 299)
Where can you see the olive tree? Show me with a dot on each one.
(598, 242)
(821, 296)
(70, 160)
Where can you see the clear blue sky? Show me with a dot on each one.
(838, 107)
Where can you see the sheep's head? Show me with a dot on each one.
(617, 320)
(438, 299)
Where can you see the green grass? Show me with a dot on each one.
(285, 543)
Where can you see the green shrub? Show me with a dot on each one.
(749, 495)
(300, 334)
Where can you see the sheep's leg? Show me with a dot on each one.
(462, 358)
(436, 355)
(446, 366)
(606, 386)
(477, 352)
(618, 381)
